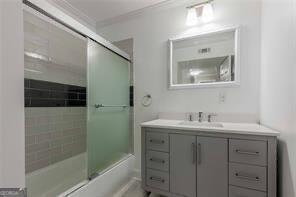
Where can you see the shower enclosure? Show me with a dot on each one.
(77, 107)
(108, 108)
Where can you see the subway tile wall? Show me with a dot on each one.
(53, 134)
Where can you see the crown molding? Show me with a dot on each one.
(74, 13)
(145, 11)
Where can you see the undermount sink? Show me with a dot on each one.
(201, 124)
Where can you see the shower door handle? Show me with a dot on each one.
(102, 106)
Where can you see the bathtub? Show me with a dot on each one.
(107, 183)
(67, 178)
(54, 179)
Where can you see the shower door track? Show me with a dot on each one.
(38, 9)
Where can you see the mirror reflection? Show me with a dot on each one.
(204, 59)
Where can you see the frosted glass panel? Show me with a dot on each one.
(108, 127)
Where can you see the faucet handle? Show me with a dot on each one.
(210, 115)
(200, 116)
(190, 116)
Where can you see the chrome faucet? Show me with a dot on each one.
(200, 116)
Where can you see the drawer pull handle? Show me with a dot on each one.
(156, 141)
(156, 160)
(250, 178)
(157, 179)
(244, 152)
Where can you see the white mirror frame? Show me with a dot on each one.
(234, 83)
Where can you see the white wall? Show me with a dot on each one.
(12, 152)
(151, 32)
(278, 87)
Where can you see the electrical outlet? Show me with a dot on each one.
(222, 97)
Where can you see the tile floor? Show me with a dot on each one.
(135, 190)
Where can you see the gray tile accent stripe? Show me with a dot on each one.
(40, 93)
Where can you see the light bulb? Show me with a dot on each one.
(191, 17)
(194, 72)
(207, 13)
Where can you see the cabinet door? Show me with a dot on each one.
(183, 165)
(212, 167)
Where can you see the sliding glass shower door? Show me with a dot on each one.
(108, 108)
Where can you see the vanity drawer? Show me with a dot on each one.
(157, 179)
(157, 160)
(157, 141)
(253, 177)
(242, 192)
(248, 151)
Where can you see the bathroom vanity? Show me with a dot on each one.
(192, 159)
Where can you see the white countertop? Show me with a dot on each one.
(233, 128)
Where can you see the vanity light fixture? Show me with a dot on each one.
(201, 11)
(191, 17)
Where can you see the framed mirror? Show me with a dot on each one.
(207, 59)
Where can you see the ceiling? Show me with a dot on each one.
(103, 10)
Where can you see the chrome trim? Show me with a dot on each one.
(158, 179)
(246, 177)
(199, 4)
(194, 152)
(199, 153)
(244, 152)
(157, 160)
(102, 106)
(156, 141)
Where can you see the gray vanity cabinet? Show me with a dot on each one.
(212, 167)
(197, 165)
(183, 164)
(180, 163)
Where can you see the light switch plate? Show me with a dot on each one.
(222, 97)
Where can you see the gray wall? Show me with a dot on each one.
(12, 139)
(278, 89)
